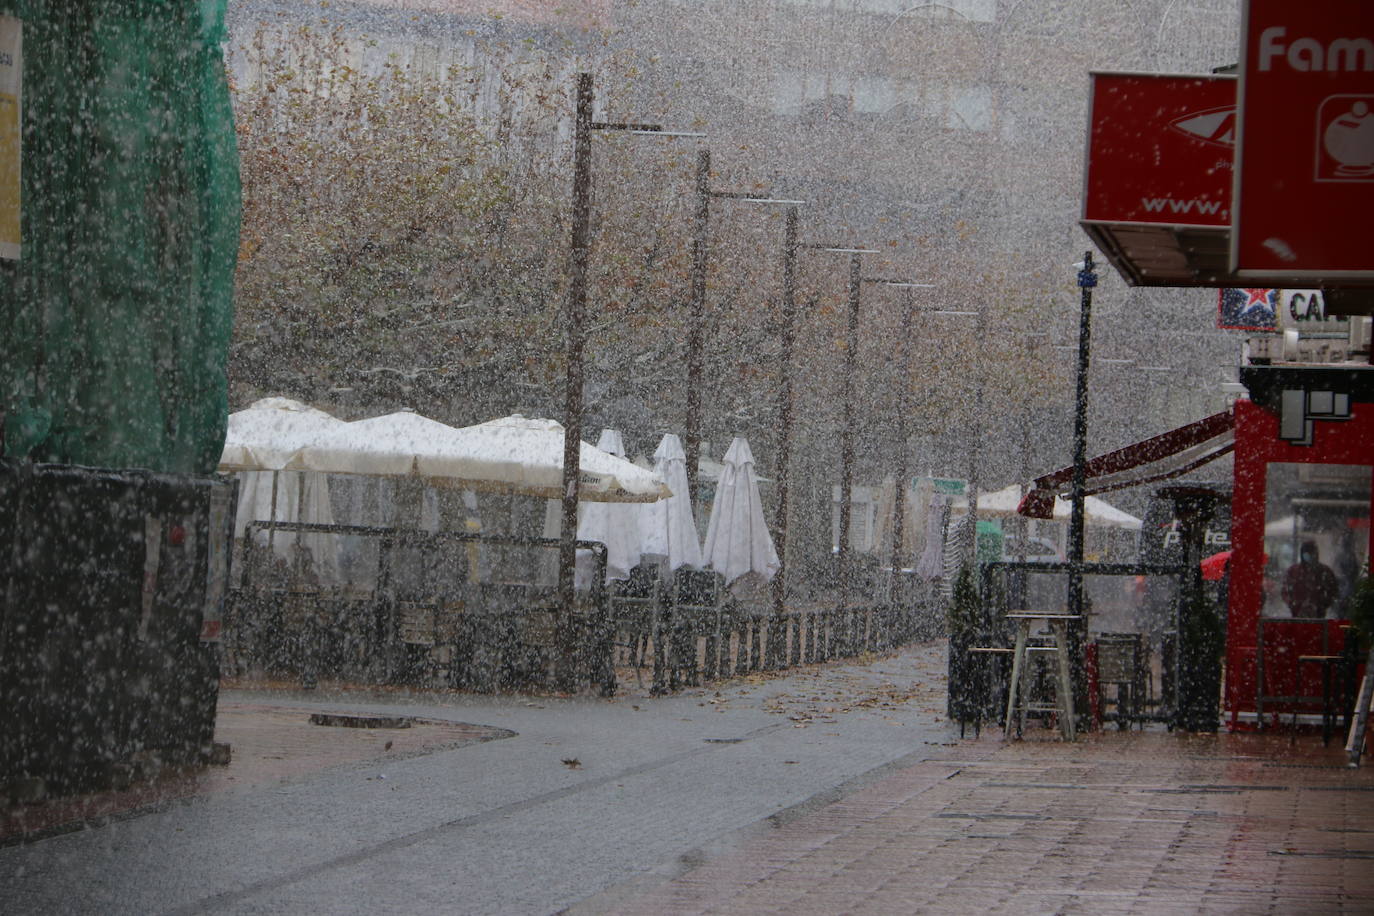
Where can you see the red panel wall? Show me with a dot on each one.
(1257, 445)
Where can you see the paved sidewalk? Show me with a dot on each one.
(831, 789)
(1143, 822)
(269, 742)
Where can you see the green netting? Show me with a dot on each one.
(115, 324)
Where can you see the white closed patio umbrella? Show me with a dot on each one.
(669, 529)
(737, 540)
(617, 525)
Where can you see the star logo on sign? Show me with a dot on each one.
(1256, 297)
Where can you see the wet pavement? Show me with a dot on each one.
(830, 789)
(1117, 823)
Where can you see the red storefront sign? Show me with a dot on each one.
(1304, 188)
(1160, 149)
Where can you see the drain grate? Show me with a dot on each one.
(1216, 789)
(993, 816)
(340, 720)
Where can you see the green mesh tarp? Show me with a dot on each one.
(115, 323)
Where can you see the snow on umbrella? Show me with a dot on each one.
(385, 446)
(1097, 513)
(510, 455)
(262, 439)
(669, 529)
(266, 435)
(616, 526)
(737, 539)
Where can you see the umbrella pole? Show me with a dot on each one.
(272, 518)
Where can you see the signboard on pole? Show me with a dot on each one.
(1160, 149)
(1304, 179)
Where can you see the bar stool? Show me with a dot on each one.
(1329, 699)
(1018, 702)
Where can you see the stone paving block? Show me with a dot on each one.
(1019, 831)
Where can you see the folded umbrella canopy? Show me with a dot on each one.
(668, 527)
(511, 455)
(616, 526)
(737, 538)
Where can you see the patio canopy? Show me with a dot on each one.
(511, 455)
(1097, 513)
(268, 433)
(1157, 458)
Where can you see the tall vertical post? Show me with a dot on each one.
(974, 456)
(847, 432)
(1198, 645)
(576, 336)
(697, 320)
(789, 337)
(903, 412)
(1087, 280)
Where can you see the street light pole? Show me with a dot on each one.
(576, 312)
(1087, 280)
(579, 258)
(696, 343)
(697, 320)
(903, 411)
(847, 431)
(789, 336)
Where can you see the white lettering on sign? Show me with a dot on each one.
(1171, 205)
(1308, 55)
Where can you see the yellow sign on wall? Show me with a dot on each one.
(11, 120)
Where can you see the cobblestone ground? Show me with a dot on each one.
(1144, 822)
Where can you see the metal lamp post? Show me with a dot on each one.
(904, 408)
(696, 360)
(1087, 280)
(789, 336)
(847, 430)
(697, 318)
(576, 314)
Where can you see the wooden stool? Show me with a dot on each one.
(1017, 689)
(1328, 706)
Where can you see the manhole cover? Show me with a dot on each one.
(339, 720)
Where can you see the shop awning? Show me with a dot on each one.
(1158, 458)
